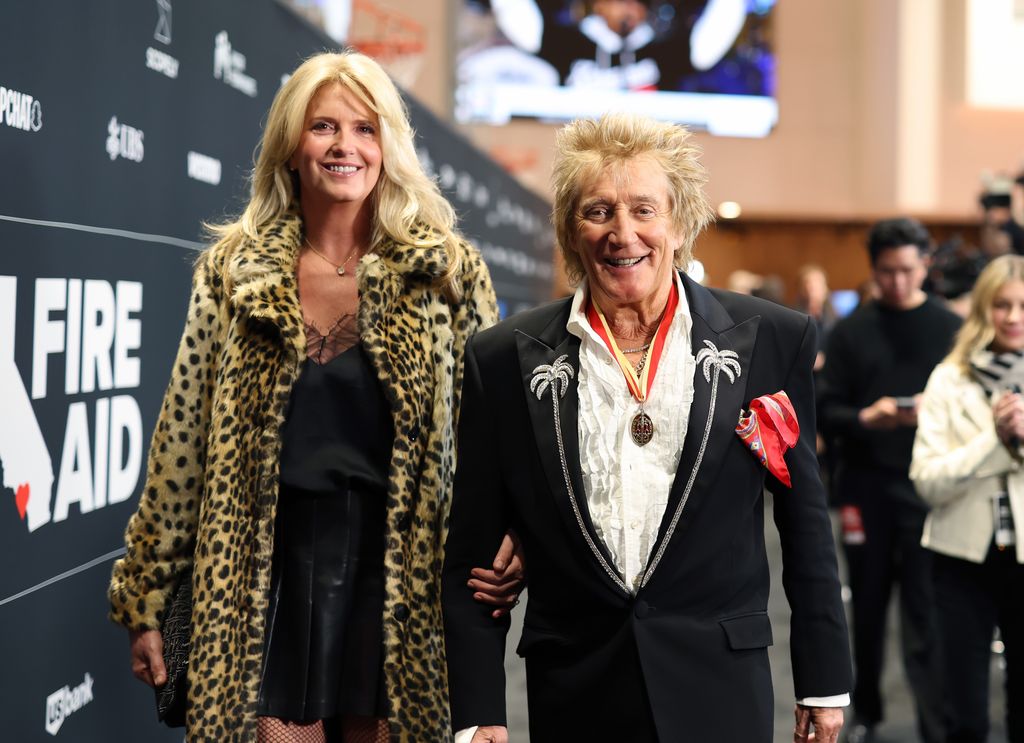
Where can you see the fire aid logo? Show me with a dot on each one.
(94, 327)
(66, 701)
(20, 110)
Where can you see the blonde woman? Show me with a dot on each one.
(967, 465)
(303, 458)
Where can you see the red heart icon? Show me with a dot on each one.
(21, 500)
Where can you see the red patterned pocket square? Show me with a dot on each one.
(769, 430)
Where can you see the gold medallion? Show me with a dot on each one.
(641, 428)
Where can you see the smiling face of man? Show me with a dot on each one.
(626, 239)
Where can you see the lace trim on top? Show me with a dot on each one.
(322, 346)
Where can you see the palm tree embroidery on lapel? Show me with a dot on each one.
(556, 376)
(713, 363)
(720, 361)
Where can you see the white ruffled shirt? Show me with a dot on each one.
(627, 485)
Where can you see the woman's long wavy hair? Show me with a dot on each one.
(977, 332)
(404, 200)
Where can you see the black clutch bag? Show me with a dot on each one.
(176, 630)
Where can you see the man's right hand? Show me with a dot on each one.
(881, 415)
(490, 734)
(147, 648)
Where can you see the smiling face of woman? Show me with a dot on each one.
(1007, 316)
(626, 240)
(338, 158)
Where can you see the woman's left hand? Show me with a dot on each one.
(500, 586)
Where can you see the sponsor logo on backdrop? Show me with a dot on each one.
(500, 211)
(124, 141)
(93, 326)
(204, 168)
(161, 62)
(163, 22)
(20, 110)
(156, 59)
(65, 702)
(229, 66)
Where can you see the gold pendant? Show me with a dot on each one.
(641, 428)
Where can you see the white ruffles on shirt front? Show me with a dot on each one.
(626, 485)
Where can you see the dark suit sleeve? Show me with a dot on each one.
(818, 635)
(475, 641)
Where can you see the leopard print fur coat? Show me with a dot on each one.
(212, 480)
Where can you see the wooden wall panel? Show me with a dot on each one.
(782, 246)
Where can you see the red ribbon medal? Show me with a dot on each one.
(641, 427)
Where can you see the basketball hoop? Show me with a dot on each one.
(393, 39)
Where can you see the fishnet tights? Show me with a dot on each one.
(352, 730)
(364, 730)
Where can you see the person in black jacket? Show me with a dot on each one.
(602, 429)
(876, 365)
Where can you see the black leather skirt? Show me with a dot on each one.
(324, 641)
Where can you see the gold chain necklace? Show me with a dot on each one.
(340, 267)
(643, 360)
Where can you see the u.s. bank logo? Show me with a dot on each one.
(94, 327)
(65, 702)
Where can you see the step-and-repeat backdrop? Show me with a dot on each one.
(124, 124)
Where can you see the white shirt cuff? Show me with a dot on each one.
(466, 734)
(838, 700)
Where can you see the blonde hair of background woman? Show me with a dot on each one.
(404, 197)
(977, 332)
(584, 148)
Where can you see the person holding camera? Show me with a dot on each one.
(967, 466)
(876, 364)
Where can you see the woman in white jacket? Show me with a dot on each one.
(967, 466)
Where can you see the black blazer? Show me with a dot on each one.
(687, 653)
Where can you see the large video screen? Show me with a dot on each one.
(706, 63)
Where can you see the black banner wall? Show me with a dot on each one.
(123, 126)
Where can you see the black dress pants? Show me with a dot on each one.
(972, 600)
(893, 519)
